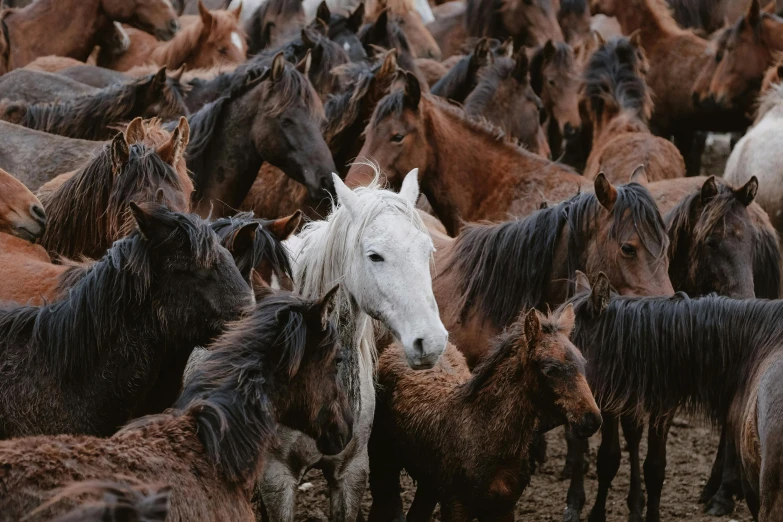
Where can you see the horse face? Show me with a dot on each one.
(350, 44)
(743, 62)
(420, 39)
(156, 17)
(21, 214)
(534, 18)
(222, 40)
(560, 94)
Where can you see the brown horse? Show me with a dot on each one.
(273, 24)
(463, 76)
(213, 38)
(405, 14)
(96, 116)
(620, 105)
(277, 366)
(342, 29)
(529, 22)
(574, 19)
(46, 27)
(21, 214)
(413, 130)
(465, 439)
(89, 211)
(503, 96)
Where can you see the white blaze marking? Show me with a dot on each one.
(236, 40)
(346, 46)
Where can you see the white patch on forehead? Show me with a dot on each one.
(236, 40)
(347, 46)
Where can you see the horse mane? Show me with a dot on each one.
(612, 83)
(482, 18)
(507, 267)
(69, 337)
(662, 15)
(454, 79)
(227, 393)
(266, 247)
(637, 344)
(91, 204)
(175, 53)
(772, 99)
(270, 10)
(563, 59)
(577, 7)
(491, 78)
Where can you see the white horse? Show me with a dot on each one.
(760, 153)
(375, 245)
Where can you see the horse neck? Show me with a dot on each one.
(467, 166)
(76, 24)
(656, 27)
(175, 52)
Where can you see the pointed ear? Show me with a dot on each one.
(482, 54)
(327, 304)
(549, 50)
(381, 25)
(150, 227)
(532, 326)
(567, 318)
(507, 48)
(600, 294)
(412, 92)
(636, 38)
(308, 39)
(753, 15)
(389, 65)
(206, 16)
(171, 151)
(159, 80)
(176, 75)
(323, 12)
(709, 190)
(410, 186)
(605, 192)
(135, 132)
(521, 67)
(184, 131)
(356, 19)
(304, 65)
(581, 282)
(284, 227)
(599, 38)
(345, 196)
(237, 12)
(243, 239)
(120, 153)
(747, 193)
(278, 66)
(639, 175)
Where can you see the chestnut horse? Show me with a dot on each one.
(46, 27)
(413, 130)
(529, 22)
(276, 367)
(620, 105)
(465, 439)
(404, 12)
(273, 24)
(213, 38)
(21, 214)
(99, 349)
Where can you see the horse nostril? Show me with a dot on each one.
(570, 131)
(418, 346)
(38, 213)
(173, 25)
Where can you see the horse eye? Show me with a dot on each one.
(712, 242)
(397, 138)
(551, 370)
(375, 258)
(628, 249)
(551, 82)
(222, 50)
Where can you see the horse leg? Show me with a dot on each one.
(537, 451)
(384, 483)
(575, 500)
(633, 432)
(691, 146)
(452, 510)
(608, 463)
(722, 503)
(716, 475)
(424, 502)
(655, 464)
(347, 490)
(278, 489)
(505, 517)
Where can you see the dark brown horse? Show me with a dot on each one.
(273, 24)
(489, 180)
(107, 334)
(271, 115)
(463, 76)
(343, 29)
(529, 22)
(574, 19)
(465, 439)
(46, 27)
(404, 13)
(96, 116)
(276, 367)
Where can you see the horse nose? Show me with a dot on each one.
(173, 25)
(38, 213)
(327, 184)
(570, 131)
(588, 424)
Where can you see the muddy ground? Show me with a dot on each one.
(690, 453)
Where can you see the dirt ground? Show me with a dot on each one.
(690, 453)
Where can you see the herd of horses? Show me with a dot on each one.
(242, 242)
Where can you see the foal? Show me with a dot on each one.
(465, 439)
(98, 351)
(276, 367)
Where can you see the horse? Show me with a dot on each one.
(106, 333)
(754, 155)
(387, 33)
(463, 76)
(375, 243)
(274, 23)
(465, 438)
(706, 16)
(529, 22)
(503, 96)
(276, 367)
(21, 214)
(283, 114)
(343, 29)
(413, 130)
(661, 355)
(322, 57)
(94, 116)
(620, 105)
(213, 38)
(554, 77)
(574, 20)
(405, 14)
(44, 27)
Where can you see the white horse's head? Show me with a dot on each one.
(385, 252)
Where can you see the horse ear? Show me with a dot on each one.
(243, 239)
(120, 153)
(600, 294)
(567, 319)
(581, 282)
(278, 66)
(412, 91)
(410, 186)
(482, 54)
(284, 227)
(532, 327)
(327, 304)
(150, 227)
(345, 196)
(237, 12)
(636, 38)
(599, 38)
(381, 23)
(171, 151)
(357, 18)
(753, 16)
(639, 175)
(521, 68)
(770, 8)
(605, 192)
(323, 12)
(307, 39)
(184, 131)
(507, 48)
(304, 65)
(158, 80)
(549, 50)
(389, 65)
(177, 74)
(709, 190)
(317, 58)
(135, 132)
(206, 16)
(747, 193)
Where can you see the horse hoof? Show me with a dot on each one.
(597, 516)
(719, 506)
(571, 515)
(635, 517)
(707, 493)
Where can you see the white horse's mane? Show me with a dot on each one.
(770, 100)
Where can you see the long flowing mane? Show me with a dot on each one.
(92, 203)
(507, 267)
(483, 18)
(69, 337)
